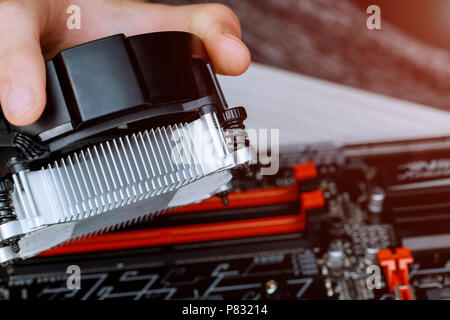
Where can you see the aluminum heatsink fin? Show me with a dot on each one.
(116, 173)
(120, 172)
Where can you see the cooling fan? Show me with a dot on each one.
(133, 126)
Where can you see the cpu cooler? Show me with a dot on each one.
(133, 126)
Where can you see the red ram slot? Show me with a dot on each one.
(184, 234)
(211, 231)
(243, 199)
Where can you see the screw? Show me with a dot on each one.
(271, 287)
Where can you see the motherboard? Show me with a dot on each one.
(338, 222)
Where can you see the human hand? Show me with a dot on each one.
(32, 31)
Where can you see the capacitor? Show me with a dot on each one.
(376, 204)
(370, 255)
(336, 257)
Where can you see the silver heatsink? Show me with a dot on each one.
(116, 182)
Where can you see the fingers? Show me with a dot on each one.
(215, 24)
(221, 32)
(22, 75)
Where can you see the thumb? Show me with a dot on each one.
(22, 76)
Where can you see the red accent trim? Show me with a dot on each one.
(305, 171)
(250, 198)
(184, 234)
(312, 199)
(405, 293)
(395, 266)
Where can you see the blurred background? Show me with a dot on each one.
(409, 58)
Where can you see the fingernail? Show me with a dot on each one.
(232, 36)
(20, 101)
